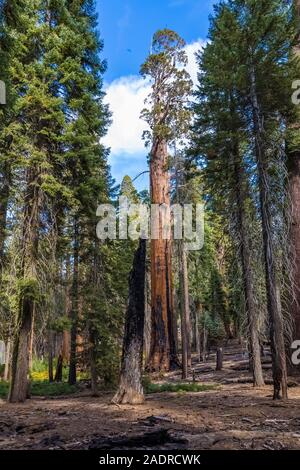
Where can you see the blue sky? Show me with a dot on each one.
(126, 27)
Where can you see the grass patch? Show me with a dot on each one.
(178, 387)
(43, 388)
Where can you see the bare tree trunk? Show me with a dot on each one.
(204, 343)
(185, 312)
(161, 277)
(93, 361)
(66, 339)
(74, 309)
(276, 322)
(198, 314)
(31, 340)
(4, 197)
(7, 359)
(147, 326)
(50, 356)
(29, 245)
(130, 386)
(59, 369)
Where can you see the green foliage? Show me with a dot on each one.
(168, 114)
(178, 387)
(43, 388)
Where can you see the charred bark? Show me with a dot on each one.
(130, 386)
(59, 369)
(198, 315)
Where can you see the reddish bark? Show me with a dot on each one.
(161, 267)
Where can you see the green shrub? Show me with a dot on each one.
(43, 389)
(177, 387)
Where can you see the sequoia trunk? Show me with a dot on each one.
(161, 275)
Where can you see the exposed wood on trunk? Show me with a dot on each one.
(275, 316)
(130, 386)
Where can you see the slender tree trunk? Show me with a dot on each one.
(93, 362)
(130, 386)
(4, 197)
(31, 340)
(198, 314)
(204, 343)
(219, 359)
(275, 317)
(161, 273)
(74, 308)
(185, 312)
(147, 327)
(241, 198)
(59, 369)
(7, 359)
(29, 245)
(172, 321)
(65, 351)
(50, 356)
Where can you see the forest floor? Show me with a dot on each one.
(233, 415)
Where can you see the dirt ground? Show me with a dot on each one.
(233, 416)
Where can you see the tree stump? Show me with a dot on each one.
(219, 365)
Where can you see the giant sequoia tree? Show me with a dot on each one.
(167, 118)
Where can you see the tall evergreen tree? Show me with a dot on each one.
(167, 118)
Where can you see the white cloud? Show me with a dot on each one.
(191, 50)
(126, 97)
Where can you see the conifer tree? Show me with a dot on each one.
(168, 118)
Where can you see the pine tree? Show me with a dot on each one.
(294, 185)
